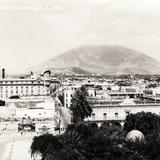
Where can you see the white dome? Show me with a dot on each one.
(134, 135)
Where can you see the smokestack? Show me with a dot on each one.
(3, 73)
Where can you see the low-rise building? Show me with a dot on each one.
(22, 87)
(39, 108)
(105, 111)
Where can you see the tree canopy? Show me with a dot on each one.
(147, 123)
(89, 142)
(80, 106)
(84, 141)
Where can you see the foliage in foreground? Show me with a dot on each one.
(90, 142)
(83, 142)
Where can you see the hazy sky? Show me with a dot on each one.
(32, 31)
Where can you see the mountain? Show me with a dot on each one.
(67, 70)
(101, 59)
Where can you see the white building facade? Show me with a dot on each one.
(22, 87)
(102, 113)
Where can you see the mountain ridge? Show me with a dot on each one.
(103, 59)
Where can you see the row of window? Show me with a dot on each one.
(105, 115)
(22, 91)
(22, 94)
(7, 92)
(22, 87)
(20, 82)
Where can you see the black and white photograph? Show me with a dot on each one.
(79, 80)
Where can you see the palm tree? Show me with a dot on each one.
(72, 145)
(80, 106)
(68, 146)
(82, 142)
(41, 143)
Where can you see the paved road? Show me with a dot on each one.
(15, 147)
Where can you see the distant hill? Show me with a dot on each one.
(101, 59)
(66, 70)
